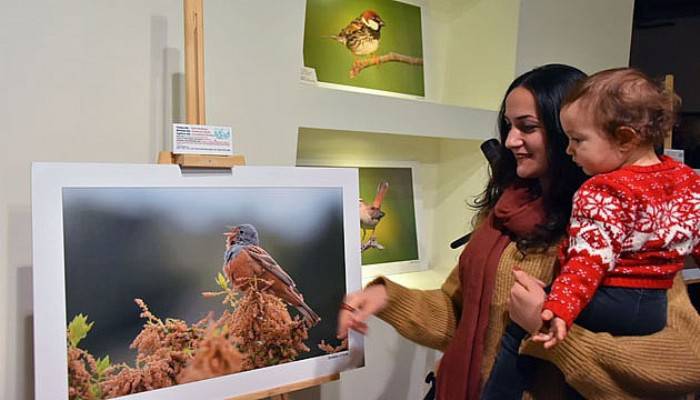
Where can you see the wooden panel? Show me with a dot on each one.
(668, 85)
(200, 161)
(275, 393)
(165, 157)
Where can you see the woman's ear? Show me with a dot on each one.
(627, 138)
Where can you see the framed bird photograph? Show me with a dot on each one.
(373, 46)
(153, 285)
(390, 217)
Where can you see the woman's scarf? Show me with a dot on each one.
(516, 213)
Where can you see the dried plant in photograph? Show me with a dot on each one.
(215, 356)
(330, 349)
(85, 373)
(255, 330)
(164, 349)
(265, 332)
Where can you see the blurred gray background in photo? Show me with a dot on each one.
(166, 246)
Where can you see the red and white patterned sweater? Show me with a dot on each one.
(631, 227)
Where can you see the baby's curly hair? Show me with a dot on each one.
(626, 97)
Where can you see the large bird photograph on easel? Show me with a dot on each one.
(372, 45)
(177, 286)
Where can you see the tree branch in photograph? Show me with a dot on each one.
(360, 65)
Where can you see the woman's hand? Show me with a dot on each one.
(525, 303)
(358, 306)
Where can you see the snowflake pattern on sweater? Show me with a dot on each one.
(629, 228)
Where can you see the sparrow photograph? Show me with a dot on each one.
(166, 266)
(371, 44)
(387, 215)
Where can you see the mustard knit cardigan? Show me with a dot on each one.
(599, 366)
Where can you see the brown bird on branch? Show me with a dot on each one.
(371, 214)
(246, 263)
(362, 34)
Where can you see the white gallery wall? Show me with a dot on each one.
(76, 85)
(592, 34)
(102, 80)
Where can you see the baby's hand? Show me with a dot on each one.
(555, 333)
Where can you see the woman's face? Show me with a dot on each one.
(526, 135)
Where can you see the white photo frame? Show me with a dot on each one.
(413, 264)
(55, 184)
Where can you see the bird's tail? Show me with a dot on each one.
(310, 317)
(381, 192)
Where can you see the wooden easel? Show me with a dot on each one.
(668, 85)
(195, 114)
(194, 92)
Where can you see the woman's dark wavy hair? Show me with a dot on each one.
(549, 84)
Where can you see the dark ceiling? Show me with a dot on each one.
(653, 12)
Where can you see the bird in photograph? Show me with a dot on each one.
(370, 215)
(362, 34)
(246, 262)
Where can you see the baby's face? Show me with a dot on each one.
(589, 146)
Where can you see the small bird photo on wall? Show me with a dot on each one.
(388, 231)
(372, 44)
(370, 216)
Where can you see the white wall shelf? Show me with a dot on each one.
(326, 108)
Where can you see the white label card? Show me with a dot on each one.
(202, 139)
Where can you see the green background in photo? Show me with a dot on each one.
(332, 60)
(397, 229)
